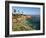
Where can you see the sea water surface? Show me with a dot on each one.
(35, 21)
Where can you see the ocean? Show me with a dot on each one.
(34, 22)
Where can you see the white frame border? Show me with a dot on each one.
(25, 32)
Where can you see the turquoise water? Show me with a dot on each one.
(34, 22)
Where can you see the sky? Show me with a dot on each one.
(27, 10)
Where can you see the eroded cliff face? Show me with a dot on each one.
(19, 23)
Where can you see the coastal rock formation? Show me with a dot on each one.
(19, 23)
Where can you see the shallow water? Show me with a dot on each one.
(34, 22)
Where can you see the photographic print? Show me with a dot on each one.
(25, 18)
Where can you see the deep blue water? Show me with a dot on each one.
(35, 21)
